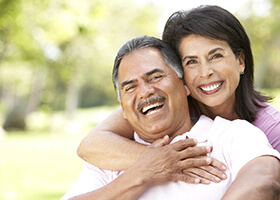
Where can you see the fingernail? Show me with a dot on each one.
(224, 168)
(197, 180)
(208, 160)
(208, 149)
(217, 179)
(224, 176)
(187, 137)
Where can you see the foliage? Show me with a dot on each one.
(60, 53)
(264, 31)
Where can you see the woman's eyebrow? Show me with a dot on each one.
(189, 57)
(214, 50)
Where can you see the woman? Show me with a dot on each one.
(209, 41)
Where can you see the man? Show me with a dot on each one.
(147, 78)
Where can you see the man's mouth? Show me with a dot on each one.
(211, 87)
(151, 105)
(150, 109)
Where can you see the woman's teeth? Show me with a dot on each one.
(211, 87)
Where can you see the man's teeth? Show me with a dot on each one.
(146, 108)
(211, 87)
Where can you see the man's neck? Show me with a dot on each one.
(185, 128)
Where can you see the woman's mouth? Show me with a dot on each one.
(211, 87)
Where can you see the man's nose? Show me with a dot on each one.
(145, 90)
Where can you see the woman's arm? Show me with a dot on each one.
(257, 180)
(152, 168)
(109, 145)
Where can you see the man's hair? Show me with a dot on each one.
(217, 23)
(169, 56)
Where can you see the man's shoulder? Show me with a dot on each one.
(236, 127)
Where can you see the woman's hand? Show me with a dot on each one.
(183, 160)
(206, 174)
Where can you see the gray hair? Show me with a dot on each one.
(170, 57)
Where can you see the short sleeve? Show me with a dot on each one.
(91, 178)
(268, 120)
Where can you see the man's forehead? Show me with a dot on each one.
(142, 60)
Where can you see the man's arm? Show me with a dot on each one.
(259, 179)
(127, 186)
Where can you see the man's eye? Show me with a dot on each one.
(129, 88)
(155, 77)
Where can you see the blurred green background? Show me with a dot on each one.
(55, 79)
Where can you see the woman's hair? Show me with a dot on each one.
(217, 23)
(169, 56)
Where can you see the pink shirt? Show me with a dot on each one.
(268, 120)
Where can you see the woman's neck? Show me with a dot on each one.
(224, 111)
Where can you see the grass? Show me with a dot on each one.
(43, 165)
(38, 166)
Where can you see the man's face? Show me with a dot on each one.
(153, 98)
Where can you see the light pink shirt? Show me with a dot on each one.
(232, 144)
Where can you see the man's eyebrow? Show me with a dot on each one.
(126, 83)
(154, 71)
(146, 75)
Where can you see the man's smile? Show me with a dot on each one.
(150, 109)
(151, 105)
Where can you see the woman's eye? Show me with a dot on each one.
(217, 55)
(191, 62)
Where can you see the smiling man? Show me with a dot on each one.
(152, 96)
(148, 80)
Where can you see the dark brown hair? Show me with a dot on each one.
(217, 23)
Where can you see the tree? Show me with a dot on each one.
(264, 31)
(59, 52)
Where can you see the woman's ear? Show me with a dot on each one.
(124, 115)
(241, 60)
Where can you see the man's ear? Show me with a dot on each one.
(124, 115)
(187, 90)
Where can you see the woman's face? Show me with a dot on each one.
(211, 70)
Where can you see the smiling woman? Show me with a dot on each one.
(212, 73)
